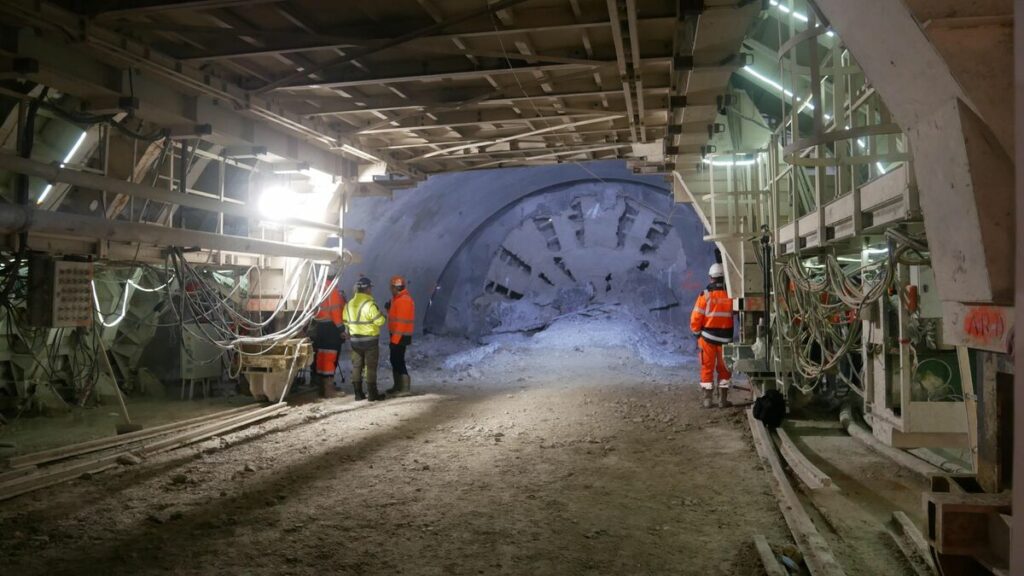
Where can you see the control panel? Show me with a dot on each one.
(60, 294)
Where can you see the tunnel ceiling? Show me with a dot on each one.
(426, 86)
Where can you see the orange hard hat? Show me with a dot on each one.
(397, 281)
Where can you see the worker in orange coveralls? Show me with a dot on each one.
(401, 324)
(328, 336)
(711, 323)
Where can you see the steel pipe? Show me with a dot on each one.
(15, 218)
(55, 173)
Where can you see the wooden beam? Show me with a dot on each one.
(768, 560)
(815, 549)
(809, 474)
(65, 452)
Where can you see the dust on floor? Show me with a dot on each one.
(539, 461)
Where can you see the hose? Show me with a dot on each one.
(904, 459)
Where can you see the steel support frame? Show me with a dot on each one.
(16, 219)
(175, 92)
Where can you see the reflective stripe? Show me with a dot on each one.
(359, 314)
(719, 315)
(365, 338)
(713, 338)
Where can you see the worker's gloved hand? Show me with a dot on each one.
(387, 305)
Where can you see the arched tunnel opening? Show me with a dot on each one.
(602, 250)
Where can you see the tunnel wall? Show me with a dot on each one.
(444, 234)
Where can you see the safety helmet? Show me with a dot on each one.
(398, 281)
(716, 271)
(363, 283)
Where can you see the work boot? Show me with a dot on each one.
(357, 387)
(707, 397)
(395, 376)
(327, 387)
(723, 398)
(372, 394)
(402, 387)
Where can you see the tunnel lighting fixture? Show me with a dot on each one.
(745, 162)
(766, 80)
(277, 202)
(797, 15)
(358, 153)
(880, 167)
(848, 259)
(876, 250)
(67, 158)
(807, 104)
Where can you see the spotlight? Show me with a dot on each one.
(277, 203)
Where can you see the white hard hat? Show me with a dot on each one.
(716, 271)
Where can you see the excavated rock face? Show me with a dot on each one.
(512, 249)
(604, 247)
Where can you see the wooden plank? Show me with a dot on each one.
(913, 545)
(809, 474)
(817, 553)
(768, 559)
(50, 477)
(64, 452)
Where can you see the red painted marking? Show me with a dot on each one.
(689, 283)
(985, 325)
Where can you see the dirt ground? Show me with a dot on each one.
(533, 462)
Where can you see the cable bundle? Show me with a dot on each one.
(819, 316)
(220, 322)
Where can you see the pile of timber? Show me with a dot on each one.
(31, 472)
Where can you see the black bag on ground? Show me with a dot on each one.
(770, 408)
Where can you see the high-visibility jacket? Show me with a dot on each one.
(711, 318)
(331, 308)
(363, 319)
(401, 317)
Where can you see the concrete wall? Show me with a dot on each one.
(444, 234)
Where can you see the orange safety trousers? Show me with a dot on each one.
(326, 362)
(712, 360)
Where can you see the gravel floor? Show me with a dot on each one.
(533, 461)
